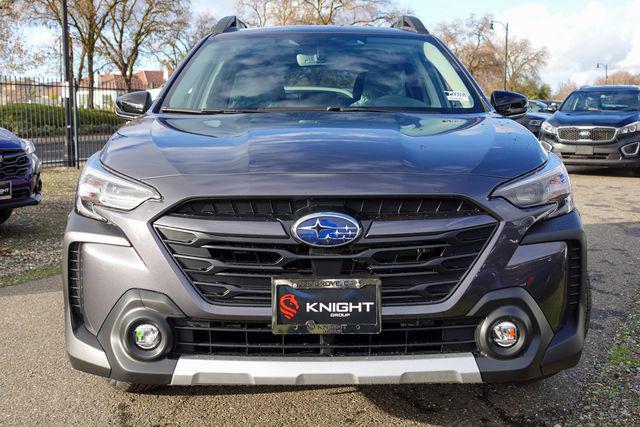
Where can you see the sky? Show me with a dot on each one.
(577, 34)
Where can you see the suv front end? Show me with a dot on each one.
(597, 126)
(20, 183)
(189, 221)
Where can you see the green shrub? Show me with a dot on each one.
(34, 120)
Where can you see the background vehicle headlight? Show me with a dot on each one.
(549, 185)
(630, 128)
(28, 146)
(549, 128)
(99, 187)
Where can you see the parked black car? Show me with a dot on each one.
(537, 113)
(552, 104)
(597, 126)
(20, 183)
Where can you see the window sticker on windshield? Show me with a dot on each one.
(456, 95)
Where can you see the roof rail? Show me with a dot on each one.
(228, 24)
(410, 23)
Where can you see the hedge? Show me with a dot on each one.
(46, 120)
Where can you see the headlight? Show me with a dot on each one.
(535, 122)
(99, 187)
(549, 185)
(548, 128)
(630, 128)
(28, 146)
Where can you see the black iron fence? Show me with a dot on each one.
(33, 109)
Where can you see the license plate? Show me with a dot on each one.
(326, 306)
(584, 150)
(5, 190)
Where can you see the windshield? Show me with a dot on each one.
(321, 71)
(603, 101)
(538, 106)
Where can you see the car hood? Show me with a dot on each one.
(322, 143)
(536, 115)
(615, 119)
(8, 140)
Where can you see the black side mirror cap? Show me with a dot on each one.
(133, 104)
(509, 104)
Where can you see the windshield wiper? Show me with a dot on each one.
(361, 109)
(210, 111)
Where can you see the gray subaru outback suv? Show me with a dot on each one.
(323, 205)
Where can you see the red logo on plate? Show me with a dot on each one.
(288, 306)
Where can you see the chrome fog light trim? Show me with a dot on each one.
(631, 150)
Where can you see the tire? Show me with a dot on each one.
(5, 214)
(131, 387)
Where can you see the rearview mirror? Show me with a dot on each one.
(509, 104)
(132, 105)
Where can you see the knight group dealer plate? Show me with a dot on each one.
(326, 306)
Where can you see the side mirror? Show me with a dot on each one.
(132, 105)
(509, 104)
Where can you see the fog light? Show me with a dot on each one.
(505, 333)
(146, 336)
(631, 150)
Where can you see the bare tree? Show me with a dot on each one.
(564, 89)
(619, 78)
(14, 55)
(171, 49)
(524, 65)
(264, 13)
(87, 19)
(473, 42)
(133, 27)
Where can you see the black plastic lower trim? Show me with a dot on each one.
(525, 365)
(125, 366)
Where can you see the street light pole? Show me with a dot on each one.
(505, 25)
(67, 80)
(606, 71)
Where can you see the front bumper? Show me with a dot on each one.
(530, 285)
(27, 188)
(119, 272)
(596, 154)
(32, 200)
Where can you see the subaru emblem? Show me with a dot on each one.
(326, 229)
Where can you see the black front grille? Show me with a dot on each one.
(420, 270)
(575, 274)
(594, 134)
(75, 282)
(362, 207)
(253, 338)
(14, 164)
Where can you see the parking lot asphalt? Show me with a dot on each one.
(38, 386)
